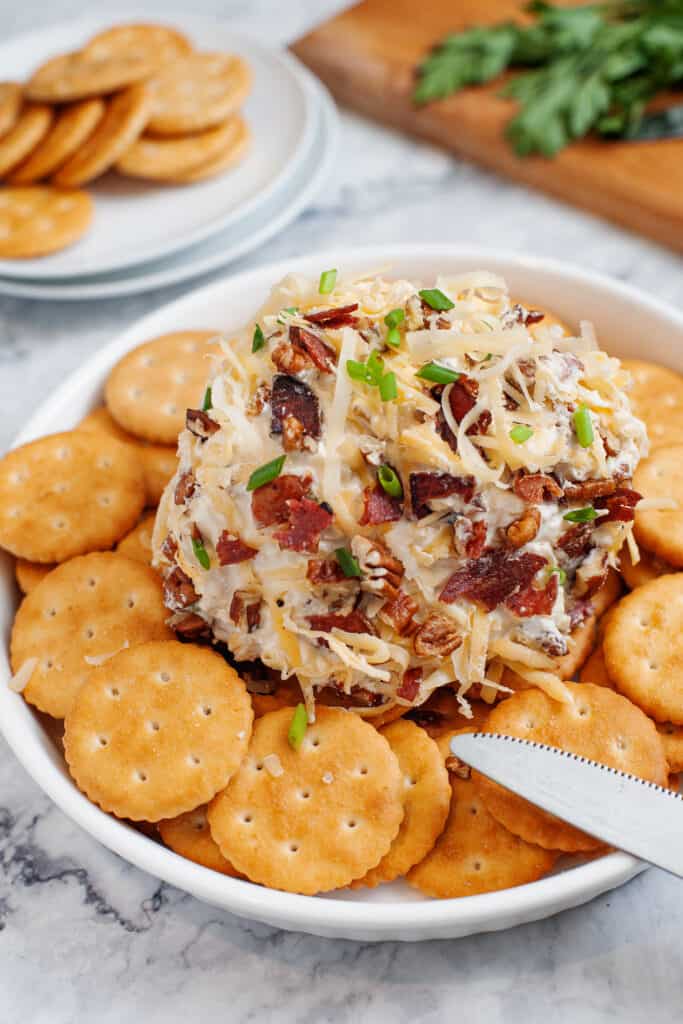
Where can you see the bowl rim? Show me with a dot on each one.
(321, 914)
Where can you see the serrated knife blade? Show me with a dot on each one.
(624, 811)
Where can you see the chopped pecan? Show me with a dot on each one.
(258, 400)
(269, 503)
(253, 616)
(169, 547)
(382, 573)
(536, 487)
(372, 449)
(525, 528)
(185, 488)
(399, 613)
(410, 684)
(621, 506)
(307, 520)
(457, 767)
(321, 355)
(231, 550)
(493, 578)
(200, 424)
(190, 626)
(293, 434)
(236, 607)
(588, 490)
(379, 507)
(179, 591)
(242, 613)
(289, 358)
(293, 397)
(437, 637)
(325, 570)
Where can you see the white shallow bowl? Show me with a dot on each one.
(628, 324)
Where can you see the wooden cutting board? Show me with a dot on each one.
(367, 57)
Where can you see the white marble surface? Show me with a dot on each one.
(86, 938)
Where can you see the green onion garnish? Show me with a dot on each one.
(258, 341)
(328, 279)
(375, 366)
(581, 515)
(390, 481)
(206, 404)
(394, 318)
(291, 310)
(200, 553)
(297, 727)
(583, 426)
(370, 372)
(264, 474)
(358, 371)
(388, 391)
(393, 337)
(520, 433)
(349, 564)
(435, 298)
(437, 374)
(560, 573)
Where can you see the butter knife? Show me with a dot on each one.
(624, 811)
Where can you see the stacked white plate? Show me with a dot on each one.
(147, 235)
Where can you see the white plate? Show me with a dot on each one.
(628, 323)
(247, 234)
(137, 221)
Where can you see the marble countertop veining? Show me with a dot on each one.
(85, 937)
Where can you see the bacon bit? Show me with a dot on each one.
(594, 584)
(493, 578)
(536, 487)
(325, 570)
(476, 543)
(425, 487)
(269, 503)
(379, 507)
(524, 529)
(463, 397)
(191, 627)
(200, 424)
(320, 354)
(185, 488)
(333, 695)
(289, 358)
(588, 490)
(621, 506)
(169, 547)
(328, 317)
(410, 684)
(258, 400)
(399, 613)
(231, 550)
(179, 591)
(529, 601)
(354, 622)
(253, 616)
(236, 608)
(292, 397)
(576, 540)
(307, 520)
(437, 637)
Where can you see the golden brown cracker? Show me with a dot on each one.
(38, 220)
(123, 121)
(647, 568)
(29, 574)
(160, 42)
(286, 694)
(75, 76)
(82, 613)
(311, 819)
(10, 105)
(157, 730)
(150, 389)
(657, 399)
(672, 741)
(74, 124)
(189, 835)
(643, 646)
(426, 799)
(67, 494)
(659, 530)
(233, 153)
(597, 724)
(173, 158)
(138, 543)
(198, 92)
(442, 713)
(31, 125)
(595, 670)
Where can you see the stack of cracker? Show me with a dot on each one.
(137, 98)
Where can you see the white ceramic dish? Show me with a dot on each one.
(628, 323)
(137, 221)
(246, 234)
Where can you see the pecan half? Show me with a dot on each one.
(289, 358)
(587, 490)
(536, 487)
(258, 400)
(200, 424)
(525, 528)
(179, 592)
(399, 613)
(437, 637)
(185, 488)
(382, 573)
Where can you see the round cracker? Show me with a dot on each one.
(32, 125)
(643, 646)
(10, 105)
(159, 42)
(189, 835)
(597, 724)
(123, 121)
(149, 391)
(37, 220)
(168, 159)
(138, 543)
(287, 694)
(29, 574)
(659, 529)
(85, 610)
(672, 741)
(647, 568)
(75, 76)
(157, 730)
(198, 92)
(657, 399)
(595, 670)
(234, 152)
(426, 800)
(72, 127)
(317, 817)
(66, 494)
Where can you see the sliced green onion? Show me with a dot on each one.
(291, 310)
(390, 481)
(435, 298)
(375, 366)
(437, 374)
(394, 317)
(328, 279)
(349, 564)
(560, 573)
(297, 727)
(393, 337)
(520, 433)
(207, 403)
(258, 341)
(200, 553)
(581, 515)
(583, 426)
(358, 371)
(388, 390)
(264, 474)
